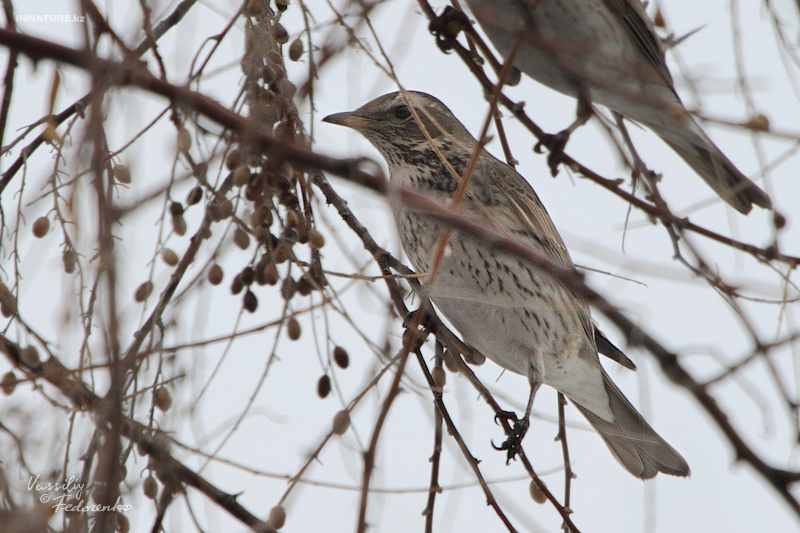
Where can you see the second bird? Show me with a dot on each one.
(608, 51)
(516, 315)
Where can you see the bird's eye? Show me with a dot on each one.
(402, 112)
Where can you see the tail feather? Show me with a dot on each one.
(631, 439)
(710, 163)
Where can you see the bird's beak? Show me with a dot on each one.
(348, 119)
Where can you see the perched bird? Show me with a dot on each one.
(607, 52)
(514, 314)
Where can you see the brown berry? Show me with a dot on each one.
(169, 257)
(194, 196)
(70, 259)
(30, 356)
(184, 140)
(324, 386)
(439, 377)
(288, 288)
(8, 383)
(215, 274)
(248, 275)
(237, 285)
(241, 238)
(122, 173)
(293, 329)
(341, 422)
(277, 517)
(537, 493)
(271, 274)
(143, 291)
(304, 286)
(241, 176)
(40, 227)
(122, 525)
(341, 357)
(250, 302)
(162, 399)
(150, 487)
(234, 159)
(281, 35)
(296, 49)
(176, 208)
(779, 220)
(281, 4)
(282, 252)
(316, 239)
(179, 225)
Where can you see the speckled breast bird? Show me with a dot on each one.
(608, 50)
(513, 313)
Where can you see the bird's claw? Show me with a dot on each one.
(519, 426)
(447, 26)
(555, 143)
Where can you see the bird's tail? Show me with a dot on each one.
(631, 439)
(693, 145)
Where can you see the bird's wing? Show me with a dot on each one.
(640, 28)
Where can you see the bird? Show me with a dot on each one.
(607, 52)
(514, 314)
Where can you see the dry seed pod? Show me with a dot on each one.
(250, 301)
(341, 422)
(758, 123)
(122, 173)
(237, 285)
(150, 487)
(293, 329)
(241, 238)
(277, 517)
(184, 140)
(241, 176)
(296, 49)
(8, 383)
(341, 357)
(271, 275)
(176, 208)
(194, 196)
(324, 386)
(316, 239)
(162, 399)
(262, 217)
(215, 275)
(281, 4)
(288, 288)
(40, 227)
(179, 225)
(234, 159)
(537, 493)
(30, 356)
(439, 377)
(70, 259)
(143, 291)
(169, 257)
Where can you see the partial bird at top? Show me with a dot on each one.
(607, 52)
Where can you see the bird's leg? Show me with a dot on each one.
(519, 426)
(556, 143)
